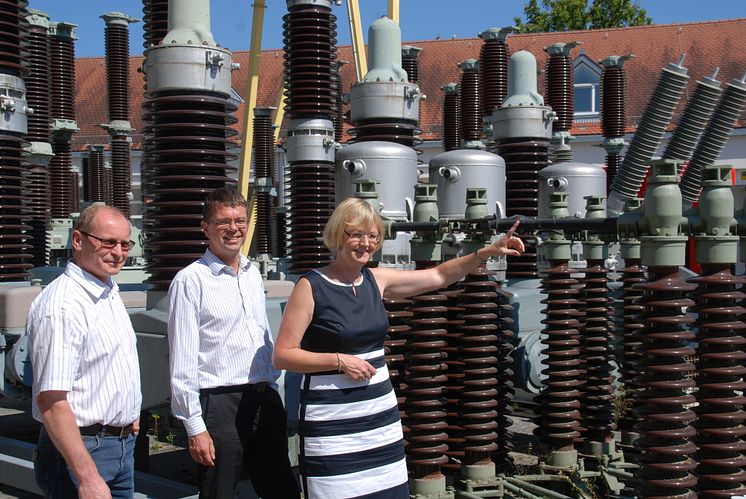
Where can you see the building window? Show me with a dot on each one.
(587, 76)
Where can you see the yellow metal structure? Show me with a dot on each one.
(393, 10)
(252, 87)
(358, 42)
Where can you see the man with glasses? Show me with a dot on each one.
(86, 388)
(223, 384)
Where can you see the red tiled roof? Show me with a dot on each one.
(706, 44)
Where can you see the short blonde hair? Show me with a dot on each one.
(355, 212)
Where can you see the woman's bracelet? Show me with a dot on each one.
(339, 364)
(476, 253)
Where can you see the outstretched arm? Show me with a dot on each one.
(397, 284)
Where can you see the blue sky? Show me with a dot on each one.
(420, 19)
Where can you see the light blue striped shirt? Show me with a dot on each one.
(81, 342)
(218, 333)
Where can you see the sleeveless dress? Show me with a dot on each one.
(351, 437)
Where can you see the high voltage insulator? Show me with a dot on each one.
(469, 108)
(451, 135)
(715, 136)
(264, 155)
(613, 118)
(94, 177)
(653, 124)
(493, 63)
(410, 62)
(560, 94)
(310, 99)
(155, 17)
(694, 118)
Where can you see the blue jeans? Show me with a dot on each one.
(114, 458)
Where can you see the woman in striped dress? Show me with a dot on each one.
(333, 330)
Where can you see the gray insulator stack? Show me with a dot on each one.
(648, 136)
(693, 120)
(713, 139)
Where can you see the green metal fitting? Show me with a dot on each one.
(556, 246)
(594, 248)
(426, 245)
(38, 18)
(615, 61)
(367, 190)
(450, 88)
(64, 30)
(712, 223)
(499, 34)
(118, 18)
(663, 242)
(561, 48)
(630, 245)
(476, 208)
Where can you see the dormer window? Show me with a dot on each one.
(587, 76)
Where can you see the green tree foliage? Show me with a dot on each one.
(567, 15)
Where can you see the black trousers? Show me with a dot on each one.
(249, 430)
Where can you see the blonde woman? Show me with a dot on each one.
(333, 330)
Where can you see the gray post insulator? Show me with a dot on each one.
(693, 120)
(649, 134)
(713, 139)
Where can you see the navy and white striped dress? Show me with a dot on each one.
(351, 435)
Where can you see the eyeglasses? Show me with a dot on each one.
(225, 223)
(111, 243)
(358, 236)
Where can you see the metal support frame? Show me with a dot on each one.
(358, 42)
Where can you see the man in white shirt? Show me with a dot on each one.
(86, 388)
(223, 384)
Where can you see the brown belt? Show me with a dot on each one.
(103, 430)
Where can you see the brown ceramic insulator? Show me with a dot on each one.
(94, 181)
(12, 13)
(310, 53)
(117, 41)
(455, 377)
(559, 417)
(597, 352)
(505, 391)
(62, 72)
(631, 337)
(309, 191)
(264, 225)
(38, 84)
(37, 201)
(281, 228)
(263, 168)
(613, 81)
(15, 256)
(107, 186)
(264, 147)
(191, 143)
(410, 63)
(426, 380)
(120, 173)
(666, 434)
(471, 113)
(451, 125)
(613, 161)
(60, 180)
(395, 345)
(338, 118)
(493, 63)
(155, 21)
(479, 351)
(721, 354)
(401, 132)
(523, 160)
(560, 92)
(75, 189)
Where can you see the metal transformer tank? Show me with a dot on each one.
(392, 165)
(456, 171)
(578, 180)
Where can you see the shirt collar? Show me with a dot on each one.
(216, 265)
(92, 284)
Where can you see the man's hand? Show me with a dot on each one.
(202, 449)
(95, 488)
